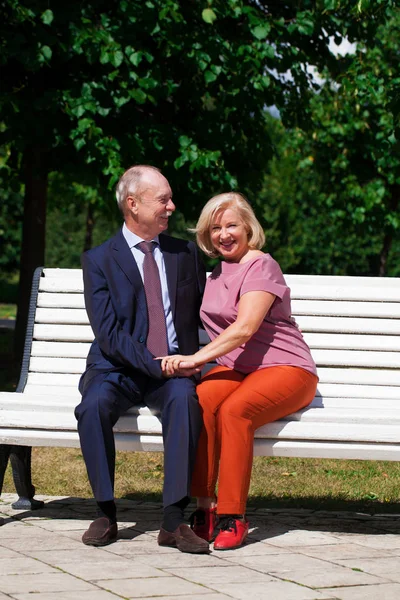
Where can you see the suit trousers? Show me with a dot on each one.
(106, 396)
(234, 405)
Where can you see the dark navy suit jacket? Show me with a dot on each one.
(116, 305)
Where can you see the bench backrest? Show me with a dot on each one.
(352, 325)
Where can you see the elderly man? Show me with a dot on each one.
(143, 291)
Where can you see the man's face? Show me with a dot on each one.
(153, 206)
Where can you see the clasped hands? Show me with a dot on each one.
(178, 365)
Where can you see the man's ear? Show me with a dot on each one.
(132, 204)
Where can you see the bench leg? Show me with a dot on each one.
(20, 457)
(4, 455)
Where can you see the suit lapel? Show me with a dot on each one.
(123, 256)
(171, 269)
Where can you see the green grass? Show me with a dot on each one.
(364, 486)
(8, 311)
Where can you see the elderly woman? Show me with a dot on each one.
(265, 370)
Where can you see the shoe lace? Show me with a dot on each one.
(198, 517)
(227, 524)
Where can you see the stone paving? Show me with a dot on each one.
(290, 555)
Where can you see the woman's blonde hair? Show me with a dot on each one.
(236, 201)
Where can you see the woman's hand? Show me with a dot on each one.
(179, 365)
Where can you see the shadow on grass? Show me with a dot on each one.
(329, 503)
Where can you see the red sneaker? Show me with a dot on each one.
(232, 533)
(203, 522)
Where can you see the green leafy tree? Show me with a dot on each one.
(89, 88)
(353, 148)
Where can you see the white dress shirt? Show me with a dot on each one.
(133, 240)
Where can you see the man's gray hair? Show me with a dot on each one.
(129, 183)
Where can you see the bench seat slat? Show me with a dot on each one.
(356, 415)
(35, 395)
(348, 392)
(262, 447)
(315, 430)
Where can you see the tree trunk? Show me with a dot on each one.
(89, 227)
(388, 237)
(33, 235)
(387, 243)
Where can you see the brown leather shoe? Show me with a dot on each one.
(184, 539)
(100, 533)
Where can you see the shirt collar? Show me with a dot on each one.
(132, 239)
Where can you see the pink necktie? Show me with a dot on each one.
(157, 341)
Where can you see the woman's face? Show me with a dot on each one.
(229, 235)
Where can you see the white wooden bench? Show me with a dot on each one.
(352, 325)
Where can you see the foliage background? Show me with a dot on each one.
(90, 88)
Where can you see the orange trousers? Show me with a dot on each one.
(234, 405)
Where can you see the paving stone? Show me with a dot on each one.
(136, 548)
(22, 565)
(276, 590)
(273, 564)
(210, 575)
(42, 582)
(384, 591)
(63, 524)
(210, 596)
(254, 549)
(302, 538)
(384, 541)
(42, 541)
(92, 595)
(332, 575)
(180, 559)
(121, 569)
(73, 535)
(132, 534)
(13, 529)
(342, 552)
(159, 586)
(6, 552)
(83, 554)
(388, 567)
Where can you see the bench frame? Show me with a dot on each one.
(293, 436)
